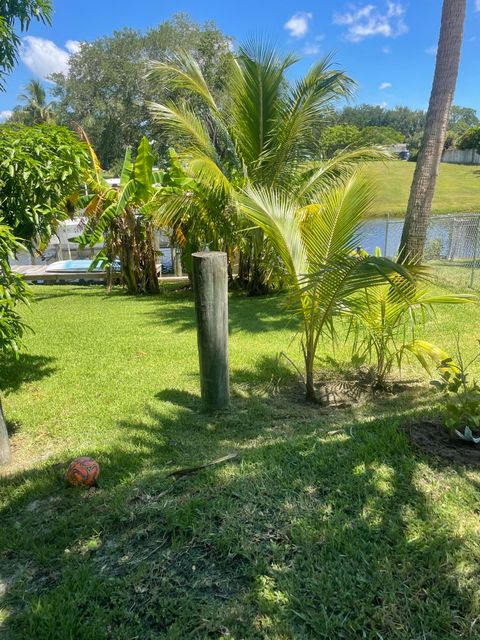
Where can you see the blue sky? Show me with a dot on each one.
(387, 46)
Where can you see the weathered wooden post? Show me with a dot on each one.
(210, 286)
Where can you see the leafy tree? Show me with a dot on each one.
(407, 121)
(41, 170)
(461, 119)
(105, 90)
(36, 109)
(338, 138)
(470, 139)
(380, 136)
(13, 292)
(21, 13)
(260, 135)
(343, 136)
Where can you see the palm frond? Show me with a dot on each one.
(182, 122)
(181, 71)
(256, 89)
(277, 216)
(314, 178)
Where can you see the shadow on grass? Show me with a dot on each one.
(27, 368)
(308, 535)
(245, 314)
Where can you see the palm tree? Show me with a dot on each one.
(423, 186)
(36, 109)
(317, 247)
(260, 135)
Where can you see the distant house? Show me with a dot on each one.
(400, 147)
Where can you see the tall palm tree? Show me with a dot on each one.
(260, 135)
(36, 108)
(424, 180)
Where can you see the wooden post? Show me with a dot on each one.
(210, 286)
(178, 262)
(4, 443)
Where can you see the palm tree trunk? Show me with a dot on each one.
(423, 186)
(150, 265)
(4, 442)
(309, 357)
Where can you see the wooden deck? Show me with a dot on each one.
(35, 273)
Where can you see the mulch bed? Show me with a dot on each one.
(432, 438)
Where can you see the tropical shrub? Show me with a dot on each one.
(461, 396)
(13, 292)
(121, 218)
(317, 246)
(260, 134)
(42, 169)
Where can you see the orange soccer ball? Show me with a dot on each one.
(83, 471)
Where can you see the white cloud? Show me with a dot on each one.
(73, 46)
(313, 48)
(477, 5)
(386, 50)
(44, 57)
(368, 20)
(385, 85)
(5, 115)
(383, 105)
(432, 51)
(298, 24)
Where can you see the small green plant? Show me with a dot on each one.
(384, 323)
(433, 249)
(461, 395)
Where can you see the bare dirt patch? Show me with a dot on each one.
(432, 438)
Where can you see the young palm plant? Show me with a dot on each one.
(261, 134)
(317, 246)
(384, 322)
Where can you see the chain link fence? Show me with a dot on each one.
(452, 250)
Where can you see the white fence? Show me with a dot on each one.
(461, 156)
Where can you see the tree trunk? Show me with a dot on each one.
(4, 442)
(309, 357)
(423, 186)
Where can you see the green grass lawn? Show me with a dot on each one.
(458, 188)
(329, 525)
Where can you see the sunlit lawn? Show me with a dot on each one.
(328, 525)
(458, 188)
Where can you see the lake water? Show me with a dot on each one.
(451, 236)
(448, 236)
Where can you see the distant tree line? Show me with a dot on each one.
(107, 94)
(409, 122)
